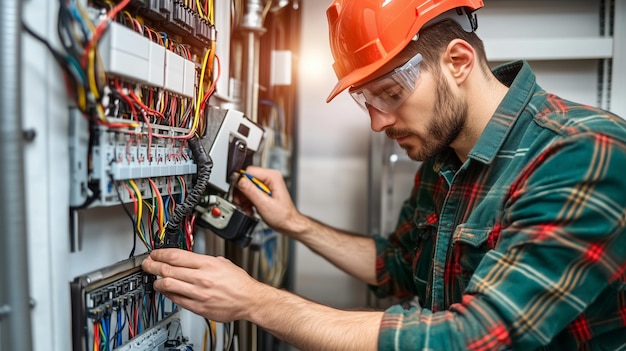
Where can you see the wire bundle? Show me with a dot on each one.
(127, 318)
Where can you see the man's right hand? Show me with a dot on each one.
(277, 210)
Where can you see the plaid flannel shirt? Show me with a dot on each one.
(521, 247)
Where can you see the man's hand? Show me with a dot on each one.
(210, 286)
(277, 210)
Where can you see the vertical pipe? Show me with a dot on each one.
(251, 74)
(15, 325)
(252, 28)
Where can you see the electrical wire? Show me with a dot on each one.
(230, 330)
(132, 220)
(205, 165)
(161, 211)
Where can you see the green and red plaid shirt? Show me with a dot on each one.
(521, 247)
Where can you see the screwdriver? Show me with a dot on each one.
(259, 184)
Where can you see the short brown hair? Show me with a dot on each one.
(434, 39)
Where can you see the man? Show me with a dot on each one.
(513, 237)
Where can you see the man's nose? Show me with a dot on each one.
(380, 120)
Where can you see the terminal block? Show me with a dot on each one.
(113, 294)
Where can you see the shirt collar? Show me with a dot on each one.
(521, 81)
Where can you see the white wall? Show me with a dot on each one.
(332, 164)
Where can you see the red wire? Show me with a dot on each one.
(125, 97)
(136, 318)
(96, 337)
(131, 331)
(210, 91)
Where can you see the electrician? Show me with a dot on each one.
(513, 236)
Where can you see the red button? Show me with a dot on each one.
(216, 212)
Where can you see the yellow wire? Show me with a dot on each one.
(133, 185)
(150, 208)
(92, 74)
(200, 92)
(200, 9)
(81, 97)
(213, 329)
(155, 193)
(206, 333)
(85, 16)
(162, 102)
(103, 116)
(101, 75)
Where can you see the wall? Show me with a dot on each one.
(332, 163)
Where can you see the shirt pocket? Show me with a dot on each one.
(469, 245)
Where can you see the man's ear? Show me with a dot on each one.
(459, 59)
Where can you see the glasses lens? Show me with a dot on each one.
(388, 92)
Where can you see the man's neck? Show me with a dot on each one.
(483, 98)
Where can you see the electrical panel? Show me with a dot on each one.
(156, 106)
(116, 308)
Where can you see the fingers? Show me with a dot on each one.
(165, 270)
(271, 177)
(173, 286)
(249, 190)
(178, 258)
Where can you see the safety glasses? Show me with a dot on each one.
(388, 92)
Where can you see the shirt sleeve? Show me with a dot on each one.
(562, 242)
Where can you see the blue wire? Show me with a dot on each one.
(139, 329)
(105, 331)
(119, 327)
(83, 26)
(162, 303)
(166, 206)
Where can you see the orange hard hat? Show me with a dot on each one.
(366, 34)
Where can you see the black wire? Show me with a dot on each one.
(119, 197)
(57, 55)
(64, 30)
(119, 329)
(205, 165)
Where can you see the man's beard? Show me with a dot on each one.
(447, 123)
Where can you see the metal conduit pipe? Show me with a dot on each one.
(15, 321)
(252, 28)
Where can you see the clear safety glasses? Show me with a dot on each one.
(388, 92)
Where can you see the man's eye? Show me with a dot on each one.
(390, 94)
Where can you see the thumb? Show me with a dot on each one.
(249, 190)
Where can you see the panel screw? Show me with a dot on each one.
(29, 134)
